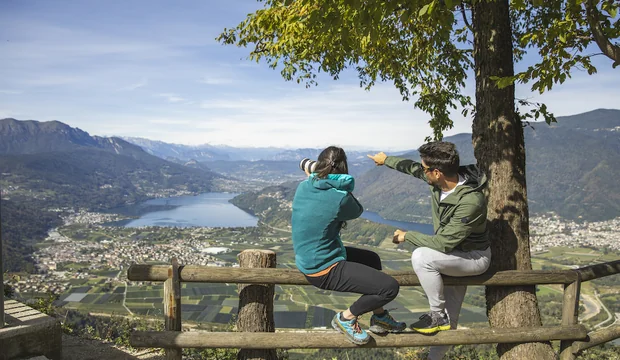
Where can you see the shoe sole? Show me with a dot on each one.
(432, 330)
(378, 329)
(337, 327)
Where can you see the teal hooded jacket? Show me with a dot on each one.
(320, 206)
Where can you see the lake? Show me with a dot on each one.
(402, 225)
(214, 210)
(204, 210)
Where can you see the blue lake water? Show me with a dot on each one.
(402, 225)
(204, 210)
(214, 210)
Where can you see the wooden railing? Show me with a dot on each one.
(573, 336)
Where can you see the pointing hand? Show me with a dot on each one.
(378, 158)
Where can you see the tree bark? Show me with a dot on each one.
(256, 304)
(499, 148)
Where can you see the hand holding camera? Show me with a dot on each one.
(307, 165)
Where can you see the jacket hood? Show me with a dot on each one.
(342, 182)
(476, 178)
(475, 181)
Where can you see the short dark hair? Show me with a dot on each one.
(332, 160)
(441, 155)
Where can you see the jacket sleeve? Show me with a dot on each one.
(466, 217)
(350, 208)
(406, 166)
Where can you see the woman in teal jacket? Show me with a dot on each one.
(322, 205)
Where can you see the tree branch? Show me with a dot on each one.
(465, 17)
(610, 50)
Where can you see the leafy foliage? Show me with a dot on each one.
(417, 45)
(23, 225)
(561, 32)
(424, 46)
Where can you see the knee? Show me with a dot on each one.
(420, 258)
(391, 289)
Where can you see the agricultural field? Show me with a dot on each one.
(107, 291)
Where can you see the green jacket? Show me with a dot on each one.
(460, 220)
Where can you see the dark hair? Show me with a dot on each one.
(332, 160)
(441, 155)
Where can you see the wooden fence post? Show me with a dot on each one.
(570, 313)
(256, 303)
(172, 306)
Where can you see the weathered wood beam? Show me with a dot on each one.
(192, 273)
(256, 303)
(599, 270)
(597, 338)
(172, 306)
(331, 339)
(570, 312)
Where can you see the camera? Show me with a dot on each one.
(307, 165)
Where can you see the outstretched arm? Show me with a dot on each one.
(405, 166)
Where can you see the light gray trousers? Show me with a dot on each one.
(429, 264)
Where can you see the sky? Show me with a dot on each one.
(153, 69)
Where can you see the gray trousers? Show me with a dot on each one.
(429, 264)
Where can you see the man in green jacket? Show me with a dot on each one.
(459, 245)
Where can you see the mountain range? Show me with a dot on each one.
(45, 165)
(69, 167)
(211, 153)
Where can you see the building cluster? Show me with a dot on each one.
(551, 231)
(63, 259)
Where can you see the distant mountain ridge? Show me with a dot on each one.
(208, 153)
(204, 152)
(55, 153)
(32, 137)
(177, 151)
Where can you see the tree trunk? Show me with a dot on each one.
(500, 150)
(256, 304)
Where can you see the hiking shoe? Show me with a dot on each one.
(432, 322)
(384, 323)
(351, 329)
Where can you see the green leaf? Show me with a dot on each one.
(562, 38)
(424, 10)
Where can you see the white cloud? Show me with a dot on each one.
(173, 98)
(136, 85)
(216, 80)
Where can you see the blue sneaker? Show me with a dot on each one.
(385, 323)
(351, 329)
